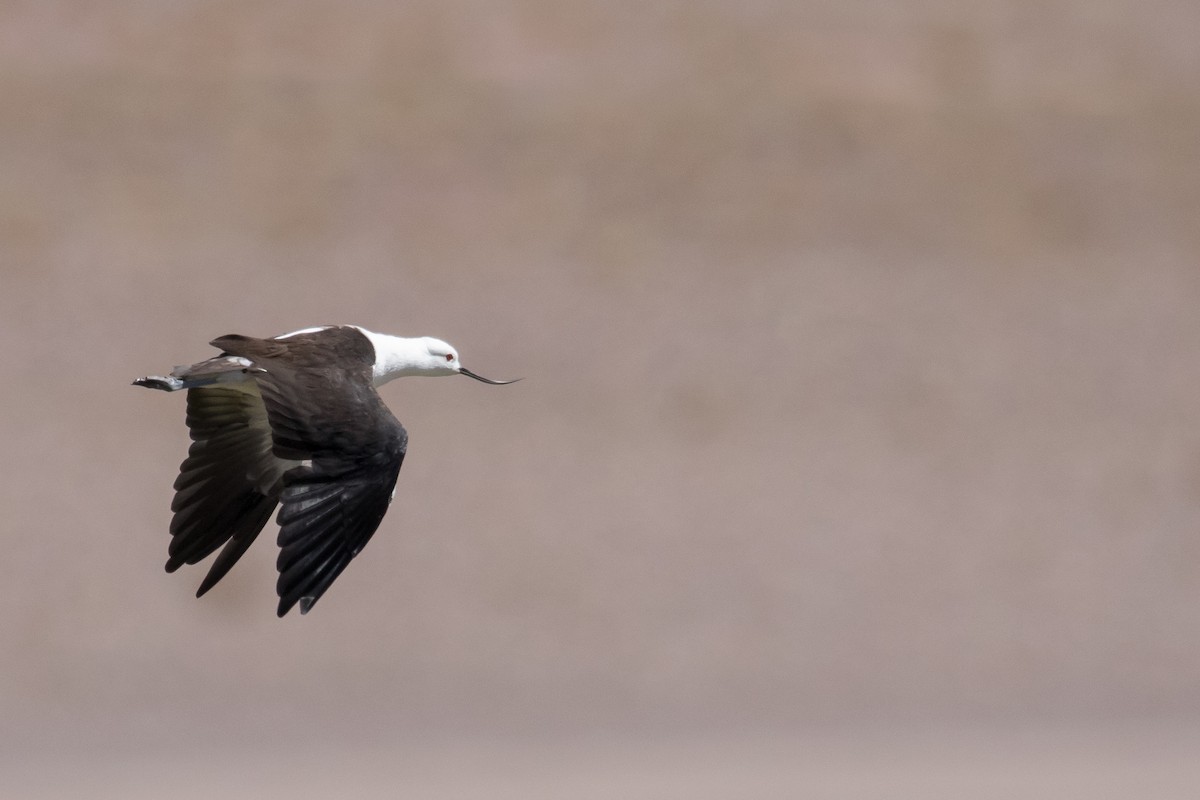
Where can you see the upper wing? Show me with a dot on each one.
(229, 483)
(332, 505)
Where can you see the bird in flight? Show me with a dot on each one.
(293, 421)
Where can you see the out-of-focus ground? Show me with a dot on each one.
(858, 453)
(999, 764)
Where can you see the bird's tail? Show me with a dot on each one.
(222, 369)
(167, 383)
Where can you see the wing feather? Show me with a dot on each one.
(228, 485)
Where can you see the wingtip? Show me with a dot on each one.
(286, 605)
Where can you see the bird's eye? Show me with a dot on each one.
(449, 356)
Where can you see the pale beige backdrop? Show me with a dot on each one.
(858, 452)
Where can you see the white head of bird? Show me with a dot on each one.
(399, 356)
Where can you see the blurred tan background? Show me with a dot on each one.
(858, 453)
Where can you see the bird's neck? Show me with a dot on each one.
(396, 356)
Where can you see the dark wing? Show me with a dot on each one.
(229, 483)
(332, 505)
